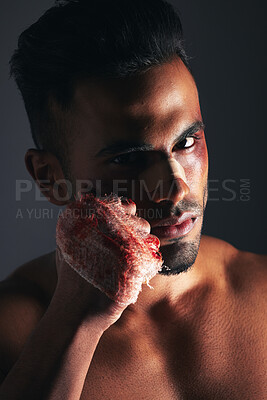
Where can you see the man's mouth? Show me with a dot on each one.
(174, 227)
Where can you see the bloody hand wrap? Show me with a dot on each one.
(100, 240)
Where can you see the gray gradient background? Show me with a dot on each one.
(226, 41)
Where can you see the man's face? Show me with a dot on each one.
(142, 138)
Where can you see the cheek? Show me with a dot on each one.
(196, 167)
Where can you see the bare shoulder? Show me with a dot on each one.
(24, 297)
(244, 270)
(217, 251)
(40, 271)
(248, 273)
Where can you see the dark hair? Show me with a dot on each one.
(83, 38)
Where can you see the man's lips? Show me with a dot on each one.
(174, 220)
(174, 227)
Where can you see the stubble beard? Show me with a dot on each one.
(181, 255)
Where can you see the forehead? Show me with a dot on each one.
(144, 107)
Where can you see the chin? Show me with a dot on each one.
(179, 255)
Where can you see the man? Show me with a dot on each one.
(111, 99)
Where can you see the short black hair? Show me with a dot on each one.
(88, 38)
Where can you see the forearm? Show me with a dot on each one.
(56, 358)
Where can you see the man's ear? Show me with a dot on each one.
(47, 172)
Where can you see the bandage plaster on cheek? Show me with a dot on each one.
(161, 172)
(101, 242)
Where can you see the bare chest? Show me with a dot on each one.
(220, 360)
(129, 369)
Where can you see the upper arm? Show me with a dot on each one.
(21, 308)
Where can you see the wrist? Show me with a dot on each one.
(70, 312)
(83, 305)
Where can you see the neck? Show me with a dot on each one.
(172, 288)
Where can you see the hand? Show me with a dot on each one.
(107, 245)
(81, 300)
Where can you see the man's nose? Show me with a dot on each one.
(165, 180)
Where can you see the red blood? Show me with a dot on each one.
(100, 240)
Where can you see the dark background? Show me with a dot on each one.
(226, 41)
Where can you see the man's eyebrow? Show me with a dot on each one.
(125, 146)
(191, 130)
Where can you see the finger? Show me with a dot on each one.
(142, 224)
(129, 205)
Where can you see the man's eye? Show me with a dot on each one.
(127, 158)
(187, 142)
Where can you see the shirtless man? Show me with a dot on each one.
(201, 333)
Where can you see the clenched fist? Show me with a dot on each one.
(104, 242)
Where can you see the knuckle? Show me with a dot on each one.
(143, 223)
